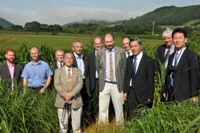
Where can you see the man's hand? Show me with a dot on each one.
(125, 96)
(42, 90)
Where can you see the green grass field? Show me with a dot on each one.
(63, 41)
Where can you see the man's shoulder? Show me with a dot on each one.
(119, 49)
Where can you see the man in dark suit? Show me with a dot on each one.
(92, 80)
(110, 64)
(126, 47)
(59, 59)
(79, 62)
(166, 49)
(10, 71)
(138, 79)
(182, 77)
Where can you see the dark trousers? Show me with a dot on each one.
(93, 103)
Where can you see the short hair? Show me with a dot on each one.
(10, 50)
(108, 34)
(74, 43)
(34, 48)
(179, 30)
(136, 39)
(125, 37)
(59, 50)
(167, 32)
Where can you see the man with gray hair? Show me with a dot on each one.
(165, 50)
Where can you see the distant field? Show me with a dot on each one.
(62, 41)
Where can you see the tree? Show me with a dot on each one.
(17, 28)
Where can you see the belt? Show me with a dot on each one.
(36, 88)
(132, 88)
(112, 82)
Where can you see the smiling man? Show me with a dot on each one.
(10, 71)
(138, 79)
(36, 74)
(182, 77)
(110, 64)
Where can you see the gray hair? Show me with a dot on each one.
(74, 43)
(167, 32)
(136, 39)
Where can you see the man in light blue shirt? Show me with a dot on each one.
(36, 74)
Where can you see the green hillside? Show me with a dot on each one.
(4, 23)
(168, 15)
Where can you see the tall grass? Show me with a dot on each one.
(24, 112)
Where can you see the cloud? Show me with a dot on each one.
(63, 15)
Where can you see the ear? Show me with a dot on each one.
(73, 48)
(186, 40)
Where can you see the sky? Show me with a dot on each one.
(61, 12)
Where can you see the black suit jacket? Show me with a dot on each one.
(75, 62)
(90, 68)
(144, 79)
(160, 54)
(186, 76)
(5, 73)
(55, 65)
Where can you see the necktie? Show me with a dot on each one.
(61, 64)
(134, 71)
(167, 54)
(128, 54)
(69, 81)
(111, 68)
(176, 58)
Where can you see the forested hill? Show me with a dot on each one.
(168, 15)
(4, 23)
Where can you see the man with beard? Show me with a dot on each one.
(10, 71)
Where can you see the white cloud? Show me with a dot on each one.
(60, 15)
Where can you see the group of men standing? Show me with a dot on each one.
(85, 85)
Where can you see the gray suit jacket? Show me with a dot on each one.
(120, 63)
(60, 83)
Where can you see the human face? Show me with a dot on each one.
(78, 48)
(179, 40)
(125, 43)
(34, 54)
(135, 48)
(109, 41)
(59, 55)
(98, 44)
(10, 56)
(68, 59)
(168, 40)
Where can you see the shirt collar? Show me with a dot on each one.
(10, 64)
(111, 50)
(39, 62)
(78, 57)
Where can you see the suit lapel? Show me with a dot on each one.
(7, 70)
(182, 59)
(116, 56)
(141, 64)
(64, 76)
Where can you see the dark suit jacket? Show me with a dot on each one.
(186, 76)
(160, 53)
(5, 73)
(144, 79)
(75, 62)
(90, 67)
(55, 65)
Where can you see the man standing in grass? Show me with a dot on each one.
(110, 64)
(59, 59)
(92, 81)
(126, 47)
(36, 74)
(68, 83)
(10, 71)
(138, 79)
(182, 76)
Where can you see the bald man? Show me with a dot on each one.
(110, 64)
(36, 74)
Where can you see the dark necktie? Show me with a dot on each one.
(134, 71)
(128, 53)
(167, 54)
(61, 64)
